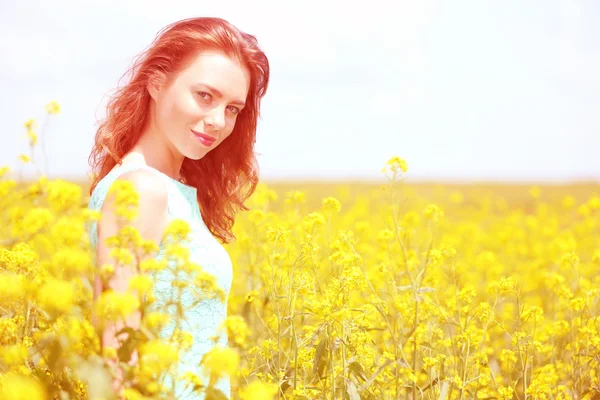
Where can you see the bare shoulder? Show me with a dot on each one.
(150, 186)
(152, 215)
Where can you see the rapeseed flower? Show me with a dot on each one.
(331, 205)
(53, 107)
(220, 361)
(14, 386)
(258, 390)
(382, 292)
(396, 165)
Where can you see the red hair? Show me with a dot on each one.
(227, 175)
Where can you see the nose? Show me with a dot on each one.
(216, 118)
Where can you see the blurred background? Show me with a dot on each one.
(463, 90)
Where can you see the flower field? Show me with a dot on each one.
(422, 291)
(340, 291)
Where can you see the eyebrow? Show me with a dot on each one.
(219, 94)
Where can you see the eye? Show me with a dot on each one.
(235, 110)
(205, 96)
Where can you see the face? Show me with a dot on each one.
(198, 108)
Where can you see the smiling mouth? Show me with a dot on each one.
(204, 138)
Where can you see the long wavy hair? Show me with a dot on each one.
(227, 175)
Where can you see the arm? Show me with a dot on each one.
(151, 220)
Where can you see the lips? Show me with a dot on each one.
(204, 138)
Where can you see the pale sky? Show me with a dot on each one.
(463, 90)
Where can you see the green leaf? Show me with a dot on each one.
(126, 329)
(54, 355)
(125, 351)
(321, 356)
(357, 370)
(215, 394)
(444, 390)
(352, 390)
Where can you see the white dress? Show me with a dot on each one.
(205, 250)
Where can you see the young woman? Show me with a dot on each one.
(182, 131)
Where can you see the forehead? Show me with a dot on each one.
(219, 71)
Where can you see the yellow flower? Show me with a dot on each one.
(27, 341)
(177, 229)
(148, 247)
(569, 260)
(4, 170)
(256, 216)
(113, 306)
(456, 197)
(385, 235)
(33, 138)
(457, 381)
(37, 219)
(81, 334)
(429, 362)
(278, 235)
(109, 353)
(206, 285)
(12, 286)
(251, 296)
(237, 329)
(178, 253)
(184, 339)
(30, 123)
(14, 355)
(192, 380)
(396, 164)
(568, 202)
(18, 387)
(295, 197)
(141, 283)
(313, 220)
(535, 192)
(71, 262)
(432, 212)
(505, 392)
(507, 356)
(122, 256)
(258, 390)
(331, 204)
(57, 295)
(221, 361)
(150, 265)
(8, 331)
(53, 108)
(156, 319)
(504, 286)
(411, 219)
(157, 357)
(63, 195)
(577, 304)
(126, 199)
(24, 158)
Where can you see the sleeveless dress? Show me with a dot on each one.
(203, 320)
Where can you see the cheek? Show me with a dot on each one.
(178, 107)
(188, 107)
(229, 132)
(165, 110)
(232, 123)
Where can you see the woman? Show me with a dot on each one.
(182, 131)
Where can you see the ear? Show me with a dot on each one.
(154, 85)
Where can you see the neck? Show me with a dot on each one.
(153, 150)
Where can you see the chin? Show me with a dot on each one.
(195, 155)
